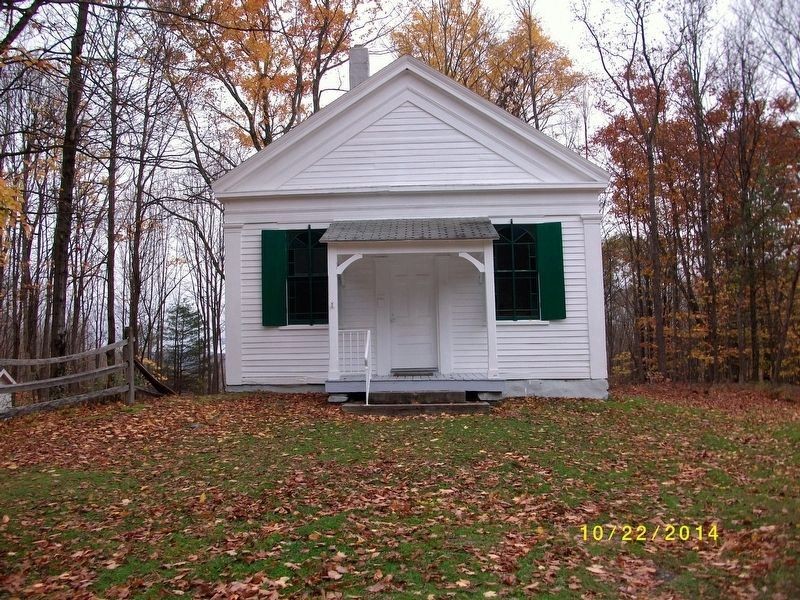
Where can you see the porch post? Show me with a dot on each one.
(444, 322)
(383, 324)
(333, 314)
(491, 320)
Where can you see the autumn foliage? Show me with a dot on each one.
(117, 118)
(269, 56)
(521, 70)
(726, 184)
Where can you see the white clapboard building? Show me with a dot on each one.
(414, 224)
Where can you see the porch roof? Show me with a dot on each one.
(473, 228)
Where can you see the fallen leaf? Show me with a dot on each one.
(596, 569)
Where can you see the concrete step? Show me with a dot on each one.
(389, 410)
(492, 397)
(417, 397)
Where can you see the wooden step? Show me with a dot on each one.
(413, 372)
(417, 397)
(389, 410)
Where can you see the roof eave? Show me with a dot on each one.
(460, 188)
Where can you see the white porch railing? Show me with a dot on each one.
(355, 354)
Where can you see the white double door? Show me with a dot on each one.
(413, 312)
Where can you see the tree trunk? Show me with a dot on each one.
(64, 209)
(655, 260)
(112, 185)
(755, 342)
(781, 345)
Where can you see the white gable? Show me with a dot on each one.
(409, 146)
(409, 126)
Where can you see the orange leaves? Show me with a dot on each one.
(530, 75)
(523, 72)
(9, 202)
(455, 37)
(712, 191)
(267, 56)
(9, 209)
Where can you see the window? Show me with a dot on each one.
(516, 277)
(306, 278)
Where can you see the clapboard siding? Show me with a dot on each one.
(274, 355)
(558, 350)
(467, 300)
(409, 146)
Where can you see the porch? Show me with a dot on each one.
(411, 306)
(437, 382)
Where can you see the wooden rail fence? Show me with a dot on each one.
(126, 366)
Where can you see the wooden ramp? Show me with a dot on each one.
(161, 389)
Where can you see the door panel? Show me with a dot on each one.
(413, 313)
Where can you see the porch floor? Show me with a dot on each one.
(453, 382)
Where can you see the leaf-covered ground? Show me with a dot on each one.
(284, 496)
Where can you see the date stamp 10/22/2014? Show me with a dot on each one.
(650, 533)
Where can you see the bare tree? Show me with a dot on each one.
(637, 66)
(696, 26)
(64, 207)
(777, 27)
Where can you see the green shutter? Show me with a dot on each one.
(273, 277)
(550, 265)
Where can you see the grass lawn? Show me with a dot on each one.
(284, 496)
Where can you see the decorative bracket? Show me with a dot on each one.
(478, 264)
(341, 268)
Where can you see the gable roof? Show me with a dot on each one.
(306, 158)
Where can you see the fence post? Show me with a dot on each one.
(131, 366)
